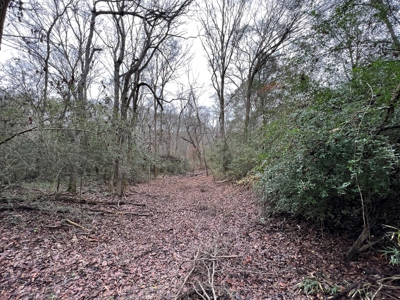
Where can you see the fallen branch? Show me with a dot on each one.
(71, 198)
(144, 194)
(192, 292)
(227, 256)
(344, 292)
(90, 239)
(211, 280)
(204, 292)
(206, 264)
(222, 181)
(9, 200)
(55, 226)
(19, 207)
(381, 285)
(389, 281)
(105, 211)
(76, 224)
(188, 275)
(111, 203)
(195, 174)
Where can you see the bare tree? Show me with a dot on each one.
(3, 11)
(197, 129)
(163, 70)
(57, 37)
(223, 27)
(274, 26)
(141, 32)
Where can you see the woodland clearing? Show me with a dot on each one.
(177, 237)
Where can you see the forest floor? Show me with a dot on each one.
(178, 237)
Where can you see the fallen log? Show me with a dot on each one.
(69, 198)
(105, 211)
(19, 207)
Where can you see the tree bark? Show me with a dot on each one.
(3, 13)
(355, 248)
(72, 184)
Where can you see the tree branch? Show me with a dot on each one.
(17, 134)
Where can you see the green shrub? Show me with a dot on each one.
(322, 160)
(392, 252)
(241, 155)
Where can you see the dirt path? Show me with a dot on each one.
(195, 234)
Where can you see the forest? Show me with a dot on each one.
(200, 149)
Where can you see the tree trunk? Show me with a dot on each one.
(155, 138)
(365, 235)
(3, 13)
(73, 179)
(355, 248)
(121, 186)
(222, 127)
(383, 9)
(111, 181)
(248, 107)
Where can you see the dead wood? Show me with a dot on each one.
(188, 275)
(76, 224)
(73, 199)
(222, 181)
(105, 211)
(344, 292)
(19, 207)
(388, 281)
(54, 227)
(8, 200)
(204, 263)
(364, 236)
(193, 292)
(195, 174)
(144, 194)
(240, 257)
(90, 239)
(370, 244)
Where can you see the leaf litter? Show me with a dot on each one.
(178, 237)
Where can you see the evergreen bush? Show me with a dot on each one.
(336, 161)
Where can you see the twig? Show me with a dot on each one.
(17, 134)
(390, 279)
(228, 256)
(49, 129)
(344, 292)
(197, 292)
(212, 280)
(203, 290)
(90, 239)
(377, 291)
(76, 224)
(188, 275)
(222, 181)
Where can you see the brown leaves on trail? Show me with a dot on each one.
(191, 239)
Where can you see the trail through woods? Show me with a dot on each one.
(174, 238)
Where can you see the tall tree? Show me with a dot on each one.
(3, 11)
(223, 26)
(274, 26)
(141, 32)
